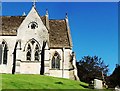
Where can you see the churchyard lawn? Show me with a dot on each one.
(20, 81)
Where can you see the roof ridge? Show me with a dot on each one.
(12, 16)
(56, 19)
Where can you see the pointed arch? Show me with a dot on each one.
(4, 43)
(56, 61)
(32, 47)
(32, 41)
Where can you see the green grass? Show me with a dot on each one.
(19, 81)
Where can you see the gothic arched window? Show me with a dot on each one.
(5, 52)
(32, 49)
(28, 52)
(37, 53)
(53, 62)
(56, 61)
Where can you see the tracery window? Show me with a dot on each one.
(28, 52)
(37, 53)
(33, 25)
(32, 50)
(56, 61)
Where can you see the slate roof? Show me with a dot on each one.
(58, 33)
(10, 25)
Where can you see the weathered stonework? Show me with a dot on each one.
(36, 45)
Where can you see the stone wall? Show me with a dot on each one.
(11, 41)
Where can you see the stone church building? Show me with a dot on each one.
(35, 44)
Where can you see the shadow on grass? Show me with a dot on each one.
(84, 86)
(58, 83)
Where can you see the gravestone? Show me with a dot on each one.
(117, 88)
(98, 84)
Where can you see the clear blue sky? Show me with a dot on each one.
(94, 26)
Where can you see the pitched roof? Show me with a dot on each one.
(58, 33)
(10, 25)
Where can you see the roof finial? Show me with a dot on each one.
(66, 16)
(46, 11)
(34, 2)
(24, 14)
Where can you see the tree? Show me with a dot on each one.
(114, 79)
(90, 68)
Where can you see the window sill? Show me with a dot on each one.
(28, 61)
(55, 69)
(3, 64)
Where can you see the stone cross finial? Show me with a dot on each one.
(34, 2)
(24, 14)
(46, 11)
(66, 15)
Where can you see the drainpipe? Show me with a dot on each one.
(63, 62)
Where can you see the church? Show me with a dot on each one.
(34, 44)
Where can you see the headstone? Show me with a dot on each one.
(117, 88)
(98, 84)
